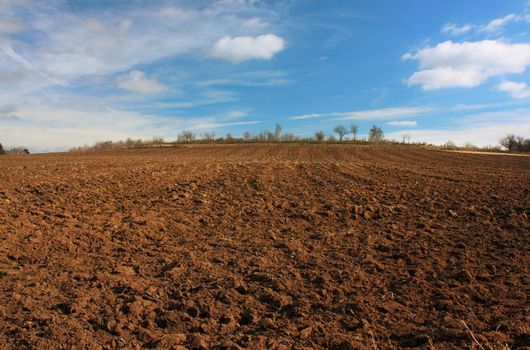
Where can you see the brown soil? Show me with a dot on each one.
(280, 247)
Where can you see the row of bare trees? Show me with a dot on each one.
(14, 150)
(375, 134)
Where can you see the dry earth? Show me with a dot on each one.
(278, 246)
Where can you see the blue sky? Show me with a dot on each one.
(75, 72)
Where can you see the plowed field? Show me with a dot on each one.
(256, 246)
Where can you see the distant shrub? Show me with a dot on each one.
(2, 149)
(470, 147)
(450, 145)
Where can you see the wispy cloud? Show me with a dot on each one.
(481, 129)
(494, 26)
(402, 123)
(382, 113)
(55, 127)
(137, 81)
(453, 29)
(517, 90)
(481, 136)
(105, 43)
(10, 26)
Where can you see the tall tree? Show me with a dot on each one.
(353, 130)
(277, 132)
(376, 134)
(341, 131)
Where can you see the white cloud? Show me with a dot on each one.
(492, 27)
(466, 64)
(496, 24)
(402, 123)
(244, 48)
(453, 29)
(517, 90)
(382, 113)
(66, 46)
(138, 82)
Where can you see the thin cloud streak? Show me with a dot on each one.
(375, 114)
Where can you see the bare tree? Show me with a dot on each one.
(353, 130)
(376, 134)
(277, 132)
(341, 131)
(509, 142)
(289, 137)
(2, 149)
(157, 140)
(405, 138)
(319, 136)
(515, 143)
(209, 136)
(186, 136)
(332, 138)
(247, 136)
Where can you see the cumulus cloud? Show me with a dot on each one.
(517, 90)
(137, 81)
(466, 64)
(402, 123)
(381, 113)
(244, 48)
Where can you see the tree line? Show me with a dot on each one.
(339, 134)
(14, 150)
(375, 134)
(511, 143)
